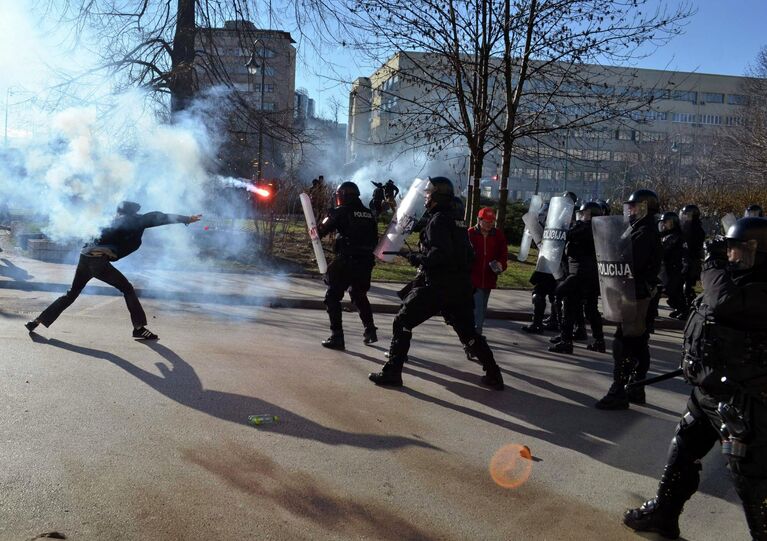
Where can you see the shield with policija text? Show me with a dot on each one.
(407, 215)
(612, 240)
(533, 230)
(555, 236)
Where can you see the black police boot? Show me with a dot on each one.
(31, 325)
(493, 378)
(564, 346)
(615, 399)
(370, 336)
(469, 354)
(555, 339)
(636, 395)
(652, 517)
(551, 323)
(390, 375)
(597, 345)
(335, 341)
(533, 328)
(580, 333)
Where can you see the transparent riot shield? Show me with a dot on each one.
(533, 230)
(311, 224)
(407, 215)
(728, 220)
(555, 236)
(612, 240)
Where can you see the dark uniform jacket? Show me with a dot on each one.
(674, 250)
(446, 254)
(356, 230)
(727, 331)
(694, 237)
(123, 236)
(647, 255)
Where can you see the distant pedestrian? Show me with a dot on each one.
(491, 256)
(121, 238)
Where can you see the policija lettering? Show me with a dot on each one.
(607, 268)
(555, 234)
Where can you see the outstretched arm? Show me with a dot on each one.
(154, 219)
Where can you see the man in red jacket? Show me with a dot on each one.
(491, 255)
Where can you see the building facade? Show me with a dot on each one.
(667, 130)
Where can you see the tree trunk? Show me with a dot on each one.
(182, 81)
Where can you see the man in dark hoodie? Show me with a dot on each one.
(631, 345)
(121, 238)
(443, 286)
(724, 358)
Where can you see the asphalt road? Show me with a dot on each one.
(104, 437)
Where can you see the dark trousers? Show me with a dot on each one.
(456, 306)
(101, 269)
(346, 273)
(696, 434)
(691, 277)
(631, 346)
(579, 294)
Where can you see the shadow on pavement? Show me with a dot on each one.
(13, 272)
(181, 384)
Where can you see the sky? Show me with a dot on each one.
(723, 37)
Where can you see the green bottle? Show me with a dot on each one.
(257, 420)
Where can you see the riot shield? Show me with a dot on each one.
(612, 240)
(311, 224)
(533, 230)
(728, 220)
(555, 236)
(407, 215)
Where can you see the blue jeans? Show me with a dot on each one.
(481, 297)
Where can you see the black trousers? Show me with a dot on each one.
(696, 434)
(580, 293)
(456, 304)
(631, 346)
(691, 277)
(101, 269)
(352, 274)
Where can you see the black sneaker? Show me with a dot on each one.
(597, 345)
(562, 347)
(533, 329)
(31, 325)
(370, 336)
(387, 378)
(335, 341)
(144, 334)
(650, 518)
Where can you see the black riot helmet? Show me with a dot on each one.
(669, 221)
(571, 195)
(605, 207)
(690, 212)
(747, 242)
(346, 193)
(754, 211)
(641, 203)
(588, 210)
(128, 208)
(439, 191)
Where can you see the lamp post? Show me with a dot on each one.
(253, 67)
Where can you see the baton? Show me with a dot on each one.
(656, 379)
(393, 253)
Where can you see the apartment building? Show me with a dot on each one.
(670, 135)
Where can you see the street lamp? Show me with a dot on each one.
(253, 66)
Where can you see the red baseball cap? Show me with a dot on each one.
(487, 214)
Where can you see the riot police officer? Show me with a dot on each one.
(754, 211)
(694, 235)
(724, 358)
(631, 345)
(443, 285)
(580, 289)
(671, 277)
(356, 238)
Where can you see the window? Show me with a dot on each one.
(735, 121)
(711, 119)
(660, 94)
(652, 136)
(268, 71)
(625, 135)
(630, 157)
(737, 99)
(267, 106)
(655, 115)
(592, 176)
(597, 155)
(684, 95)
(268, 88)
(712, 97)
(686, 160)
(684, 118)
